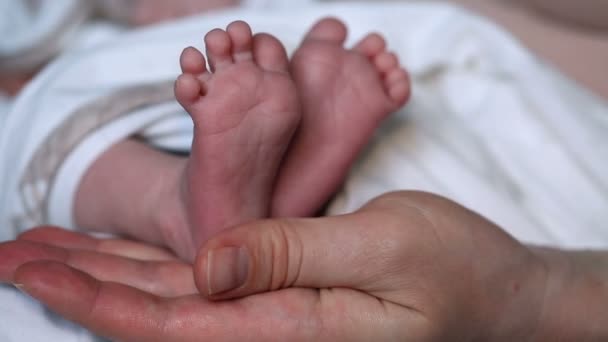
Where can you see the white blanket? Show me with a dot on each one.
(489, 126)
(5, 106)
(34, 31)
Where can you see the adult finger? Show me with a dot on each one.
(163, 278)
(72, 240)
(123, 313)
(110, 309)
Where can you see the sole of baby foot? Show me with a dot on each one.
(345, 95)
(245, 111)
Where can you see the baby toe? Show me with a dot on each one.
(242, 40)
(371, 45)
(188, 90)
(398, 86)
(192, 61)
(385, 62)
(219, 48)
(269, 53)
(328, 29)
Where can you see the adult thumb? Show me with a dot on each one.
(343, 251)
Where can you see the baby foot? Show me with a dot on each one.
(245, 112)
(344, 94)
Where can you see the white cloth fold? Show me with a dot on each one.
(33, 31)
(5, 106)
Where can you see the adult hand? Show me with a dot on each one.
(407, 266)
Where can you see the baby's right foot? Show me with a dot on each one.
(345, 94)
(244, 113)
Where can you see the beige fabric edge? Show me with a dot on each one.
(39, 176)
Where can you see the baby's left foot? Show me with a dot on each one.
(245, 111)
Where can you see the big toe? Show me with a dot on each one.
(269, 53)
(328, 29)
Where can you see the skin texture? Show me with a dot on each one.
(407, 266)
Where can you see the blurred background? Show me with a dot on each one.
(571, 35)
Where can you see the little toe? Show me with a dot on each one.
(242, 41)
(398, 86)
(385, 62)
(371, 45)
(219, 49)
(328, 29)
(188, 90)
(269, 53)
(192, 61)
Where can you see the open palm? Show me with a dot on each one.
(407, 266)
(130, 291)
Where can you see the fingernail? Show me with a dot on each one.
(227, 269)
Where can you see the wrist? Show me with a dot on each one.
(512, 307)
(575, 305)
